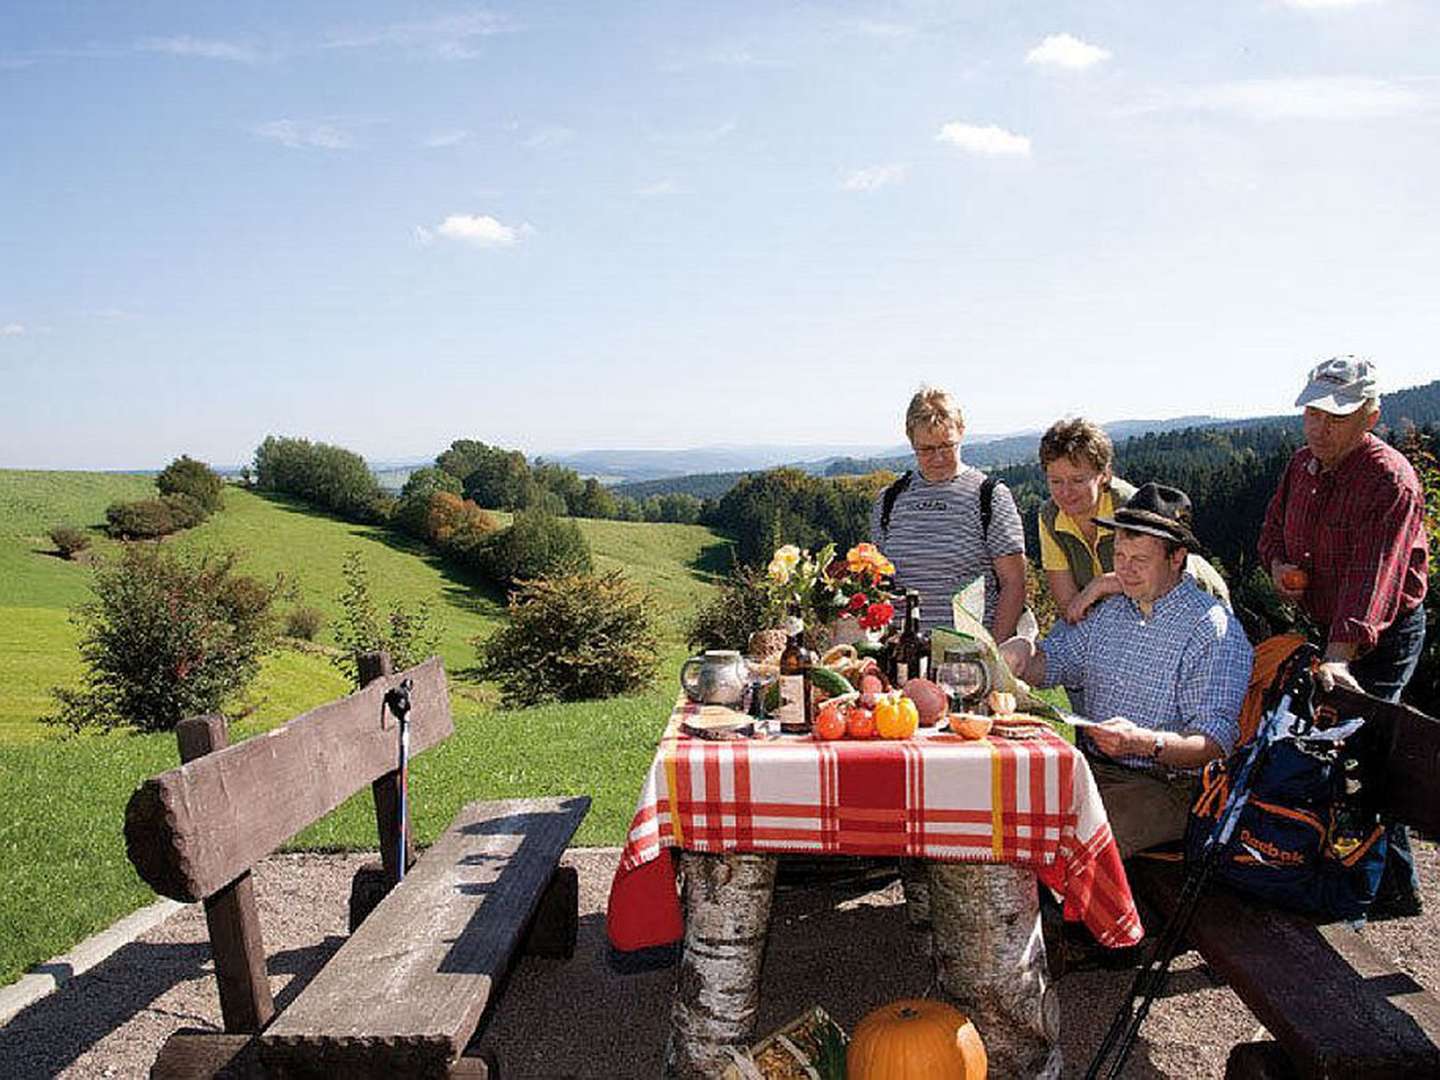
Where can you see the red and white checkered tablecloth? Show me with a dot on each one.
(1032, 802)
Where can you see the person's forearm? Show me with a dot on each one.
(1186, 751)
(1008, 606)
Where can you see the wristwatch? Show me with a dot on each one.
(1157, 746)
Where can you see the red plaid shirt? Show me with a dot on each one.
(1359, 532)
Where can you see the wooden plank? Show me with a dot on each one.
(408, 989)
(1327, 996)
(236, 944)
(192, 830)
(191, 1054)
(1406, 747)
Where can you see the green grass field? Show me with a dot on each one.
(64, 872)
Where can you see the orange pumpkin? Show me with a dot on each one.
(914, 1039)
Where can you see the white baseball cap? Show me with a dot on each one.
(1339, 385)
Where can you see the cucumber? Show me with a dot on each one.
(829, 683)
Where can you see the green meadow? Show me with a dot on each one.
(63, 871)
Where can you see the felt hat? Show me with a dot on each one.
(1156, 510)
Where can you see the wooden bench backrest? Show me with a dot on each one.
(1406, 744)
(192, 830)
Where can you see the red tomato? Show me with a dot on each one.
(830, 724)
(861, 724)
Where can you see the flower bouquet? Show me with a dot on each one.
(830, 591)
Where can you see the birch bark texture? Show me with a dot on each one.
(991, 960)
(727, 900)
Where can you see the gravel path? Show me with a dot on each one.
(584, 1018)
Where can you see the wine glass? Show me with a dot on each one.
(964, 679)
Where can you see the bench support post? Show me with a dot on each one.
(386, 790)
(246, 1003)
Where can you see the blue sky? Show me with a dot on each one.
(561, 226)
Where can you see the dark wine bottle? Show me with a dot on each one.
(909, 650)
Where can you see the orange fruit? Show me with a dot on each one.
(1294, 579)
(830, 724)
(861, 724)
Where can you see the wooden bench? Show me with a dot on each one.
(1333, 1004)
(408, 989)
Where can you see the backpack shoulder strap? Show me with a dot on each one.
(887, 500)
(987, 505)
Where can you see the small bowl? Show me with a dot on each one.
(970, 725)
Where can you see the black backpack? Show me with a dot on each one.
(893, 492)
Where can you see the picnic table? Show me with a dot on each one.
(988, 817)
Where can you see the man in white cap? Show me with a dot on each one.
(1344, 538)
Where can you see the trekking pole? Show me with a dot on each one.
(1150, 980)
(397, 701)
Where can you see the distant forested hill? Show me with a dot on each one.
(1418, 405)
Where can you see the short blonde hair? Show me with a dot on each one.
(932, 408)
(1079, 440)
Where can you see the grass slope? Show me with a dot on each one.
(63, 871)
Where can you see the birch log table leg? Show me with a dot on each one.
(727, 914)
(991, 958)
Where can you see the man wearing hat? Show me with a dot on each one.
(1344, 538)
(1163, 665)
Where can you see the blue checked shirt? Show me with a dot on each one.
(1184, 669)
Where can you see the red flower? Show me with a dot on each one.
(857, 603)
(877, 615)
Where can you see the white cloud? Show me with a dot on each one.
(480, 230)
(988, 139)
(1067, 51)
(12, 329)
(550, 136)
(660, 187)
(1333, 98)
(206, 49)
(291, 133)
(1321, 5)
(446, 138)
(453, 37)
(874, 178)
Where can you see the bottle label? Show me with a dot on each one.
(902, 674)
(794, 625)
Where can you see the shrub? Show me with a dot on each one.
(142, 519)
(167, 636)
(69, 540)
(736, 611)
(304, 623)
(453, 523)
(573, 638)
(185, 511)
(186, 476)
(408, 633)
(413, 509)
(536, 545)
(327, 476)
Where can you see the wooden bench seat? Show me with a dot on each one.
(404, 995)
(407, 990)
(1335, 1006)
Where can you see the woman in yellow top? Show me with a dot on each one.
(1077, 554)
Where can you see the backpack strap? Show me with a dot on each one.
(887, 500)
(987, 505)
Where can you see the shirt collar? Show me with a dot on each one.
(1176, 597)
(1104, 508)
